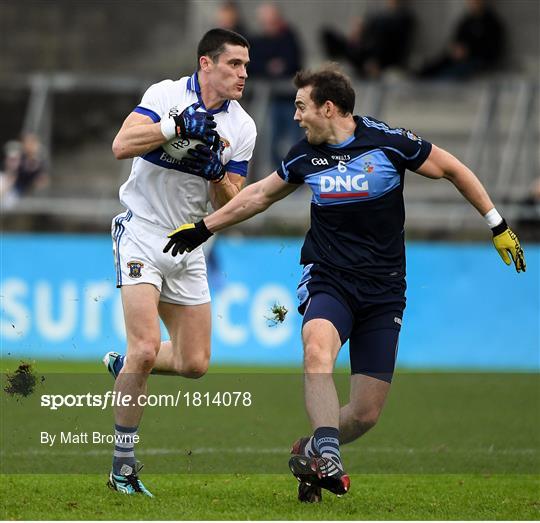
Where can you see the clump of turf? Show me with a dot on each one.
(22, 382)
(278, 314)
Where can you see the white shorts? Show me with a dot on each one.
(139, 258)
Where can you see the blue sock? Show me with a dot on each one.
(124, 453)
(327, 443)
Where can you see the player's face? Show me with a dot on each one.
(227, 75)
(310, 117)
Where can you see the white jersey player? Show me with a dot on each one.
(151, 192)
(162, 193)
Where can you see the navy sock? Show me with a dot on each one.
(118, 364)
(327, 443)
(124, 453)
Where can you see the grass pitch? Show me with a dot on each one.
(448, 446)
(272, 497)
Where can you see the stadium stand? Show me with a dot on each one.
(77, 99)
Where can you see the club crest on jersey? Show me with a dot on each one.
(368, 167)
(410, 135)
(135, 268)
(413, 136)
(223, 144)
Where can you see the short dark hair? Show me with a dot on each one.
(213, 43)
(328, 83)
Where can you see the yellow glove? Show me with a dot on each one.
(506, 242)
(187, 237)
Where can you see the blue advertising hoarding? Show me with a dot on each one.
(465, 308)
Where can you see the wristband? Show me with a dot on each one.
(168, 128)
(493, 218)
(499, 229)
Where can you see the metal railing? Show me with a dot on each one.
(498, 138)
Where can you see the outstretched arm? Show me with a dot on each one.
(252, 200)
(441, 164)
(255, 198)
(224, 190)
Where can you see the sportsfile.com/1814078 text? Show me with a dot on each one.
(117, 399)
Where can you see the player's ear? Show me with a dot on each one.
(204, 63)
(329, 109)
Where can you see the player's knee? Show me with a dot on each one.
(364, 420)
(195, 367)
(140, 363)
(317, 359)
(142, 356)
(195, 371)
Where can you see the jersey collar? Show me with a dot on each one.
(358, 122)
(350, 139)
(194, 86)
(342, 144)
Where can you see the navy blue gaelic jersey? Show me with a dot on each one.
(357, 209)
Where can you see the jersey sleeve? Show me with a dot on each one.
(152, 102)
(238, 163)
(290, 169)
(406, 148)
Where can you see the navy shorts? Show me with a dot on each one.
(367, 313)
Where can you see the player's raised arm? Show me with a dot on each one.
(442, 164)
(252, 200)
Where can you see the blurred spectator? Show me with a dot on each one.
(383, 40)
(12, 161)
(276, 55)
(476, 46)
(228, 16)
(24, 169)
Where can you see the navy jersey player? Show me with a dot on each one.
(353, 284)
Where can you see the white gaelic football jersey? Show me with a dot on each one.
(157, 190)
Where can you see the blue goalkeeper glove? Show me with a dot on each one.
(506, 242)
(191, 123)
(205, 162)
(187, 237)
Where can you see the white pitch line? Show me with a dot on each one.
(270, 450)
